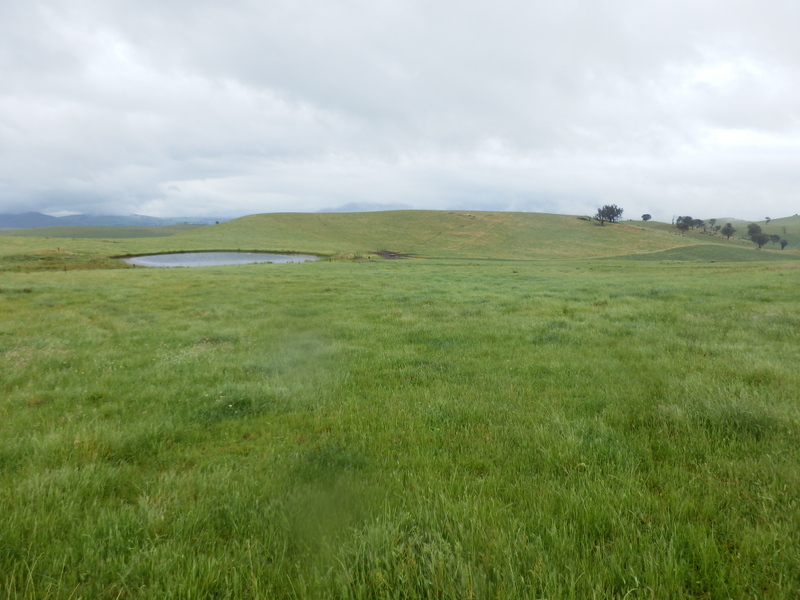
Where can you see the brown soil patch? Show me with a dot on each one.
(391, 255)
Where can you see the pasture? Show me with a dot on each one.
(528, 410)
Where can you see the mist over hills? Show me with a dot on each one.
(34, 219)
(37, 219)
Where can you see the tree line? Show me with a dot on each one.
(611, 213)
(754, 232)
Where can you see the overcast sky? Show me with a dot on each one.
(209, 108)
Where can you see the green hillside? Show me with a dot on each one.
(713, 253)
(787, 228)
(474, 235)
(423, 234)
(437, 234)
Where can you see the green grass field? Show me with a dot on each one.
(511, 417)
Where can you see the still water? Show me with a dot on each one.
(215, 259)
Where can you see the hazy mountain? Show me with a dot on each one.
(30, 219)
(35, 219)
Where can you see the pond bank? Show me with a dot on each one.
(215, 259)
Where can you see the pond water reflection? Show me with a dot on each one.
(215, 259)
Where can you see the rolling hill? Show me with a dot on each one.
(439, 234)
(474, 235)
(412, 233)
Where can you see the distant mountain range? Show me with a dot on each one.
(36, 219)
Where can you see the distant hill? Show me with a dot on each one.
(29, 219)
(115, 232)
(36, 219)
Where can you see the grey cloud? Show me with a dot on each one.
(278, 105)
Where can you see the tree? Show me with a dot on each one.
(784, 243)
(774, 239)
(767, 219)
(712, 222)
(683, 223)
(760, 238)
(646, 217)
(753, 229)
(609, 212)
(728, 231)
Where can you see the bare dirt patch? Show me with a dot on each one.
(391, 255)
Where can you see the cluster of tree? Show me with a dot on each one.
(684, 223)
(754, 232)
(610, 212)
(760, 238)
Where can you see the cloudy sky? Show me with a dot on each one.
(209, 108)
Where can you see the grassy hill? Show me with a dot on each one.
(437, 234)
(787, 227)
(424, 234)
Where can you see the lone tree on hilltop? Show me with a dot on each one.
(609, 212)
(767, 220)
(646, 217)
(728, 231)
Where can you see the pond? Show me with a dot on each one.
(215, 259)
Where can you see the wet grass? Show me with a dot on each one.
(401, 429)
